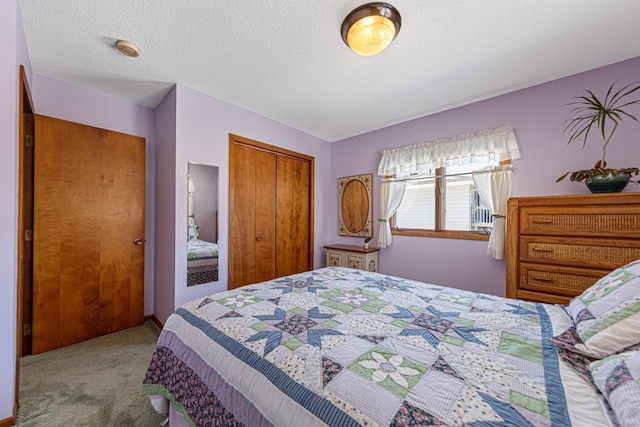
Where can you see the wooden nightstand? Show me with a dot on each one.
(352, 257)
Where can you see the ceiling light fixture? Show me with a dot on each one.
(370, 28)
(128, 48)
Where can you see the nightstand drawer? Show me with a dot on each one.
(557, 280)
(352, 257)
(589, 221)
(606, 254)
(356, 261)
(336, 259)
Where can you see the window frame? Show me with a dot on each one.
(439, 230)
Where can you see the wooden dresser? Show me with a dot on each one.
(557, 246)
(352, 257)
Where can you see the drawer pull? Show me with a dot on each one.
(542, 279)
(541, 249)
(542, 221)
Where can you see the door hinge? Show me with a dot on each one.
(28, 235)
(26, 329)
(28, 140)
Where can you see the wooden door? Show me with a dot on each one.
(251, 224)
(292, 216)
(25, 218)
(265, 206)
(88, 233)
(270, 212)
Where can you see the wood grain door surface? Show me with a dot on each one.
(25, 221)
(270, 212)
(88, 233)
(252, 232)
(292, 216)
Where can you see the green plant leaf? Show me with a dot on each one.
(588, 111)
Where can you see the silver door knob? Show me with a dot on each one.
(137, 241)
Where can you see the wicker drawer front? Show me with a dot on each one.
(594, 253)
(557, 280)
(609, 221)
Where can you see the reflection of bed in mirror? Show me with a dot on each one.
(202, 262)
(202, 241)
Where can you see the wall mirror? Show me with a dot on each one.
(356, 205)
(202, 236)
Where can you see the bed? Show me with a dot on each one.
(343, 347)
(201, 253)
(202, 261)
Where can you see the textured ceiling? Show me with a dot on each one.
(285, 59)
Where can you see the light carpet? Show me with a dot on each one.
(94, 383)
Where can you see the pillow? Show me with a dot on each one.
(618, 378)
(607, 315)
(570, 349)
(193, 232)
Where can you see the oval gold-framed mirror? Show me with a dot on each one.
(355, 205)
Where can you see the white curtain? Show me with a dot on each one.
(391, 193)
(494, 189)
(495, 144)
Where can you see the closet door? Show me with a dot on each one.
(293, 225)
(88, 268)
(265, 206)
(252, 216)
(270, 212)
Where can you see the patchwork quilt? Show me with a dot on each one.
(201, 252)
(344, 347)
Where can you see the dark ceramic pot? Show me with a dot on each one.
(607, 184)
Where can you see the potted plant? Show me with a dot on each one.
(363, 233)
(589, 112)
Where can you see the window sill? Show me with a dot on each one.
(445, 234)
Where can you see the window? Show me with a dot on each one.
(440, 197)
(456, 208)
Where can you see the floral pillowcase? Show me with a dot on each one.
(618, 378)
(571, 350)
(607, 315)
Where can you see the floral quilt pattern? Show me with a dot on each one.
(381, 350)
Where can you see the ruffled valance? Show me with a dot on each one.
(489, 145)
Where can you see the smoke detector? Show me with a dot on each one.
(128, 48)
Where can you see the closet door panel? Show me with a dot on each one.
(302, 217)
(293, 216)
(265, 206)
(285, 226)
(242, 228)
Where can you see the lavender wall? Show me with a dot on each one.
(203, 128)
(537, 115)
(165, 206)
(14, 52)
(65, 101)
